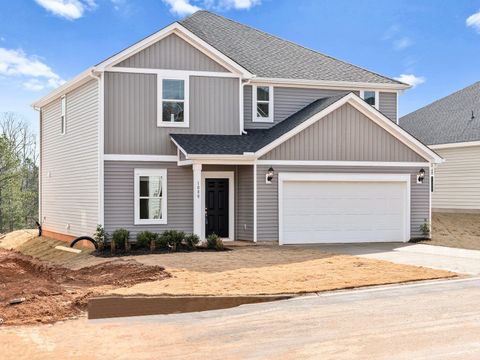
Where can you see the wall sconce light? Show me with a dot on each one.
(421, 176)
(269, 176)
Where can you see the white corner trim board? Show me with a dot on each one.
(308, 225)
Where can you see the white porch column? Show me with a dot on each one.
(198, 211)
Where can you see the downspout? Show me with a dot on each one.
(243, 82)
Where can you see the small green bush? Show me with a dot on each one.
(191, 241)
(173, 239)
(120, 238)
(214, 242)
(145, 238)
(425, 228)
(100, 237)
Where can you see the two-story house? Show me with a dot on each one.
(210, 126)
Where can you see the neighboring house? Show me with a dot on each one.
(451, 126)
(210, 126)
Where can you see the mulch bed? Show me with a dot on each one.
(46, 293)
(134, 251)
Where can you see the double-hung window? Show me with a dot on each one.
(150, 196)
(63, 116)
(172, 101)
(262, 103)
(370, 97)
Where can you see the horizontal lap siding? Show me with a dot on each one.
(344, 135)
(388, 105)
(131, 112)
(69, 188)
(119, 196)
(172, 53)
(457, 180)
(267, 195)
(244, 202)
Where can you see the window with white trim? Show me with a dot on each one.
(370, 97)
(63, 116)
(150, 196)
(172, 101)
(262, 103)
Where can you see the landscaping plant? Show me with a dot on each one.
(214, 242)
(100, 237)
(146, 238)
(120, 239)
(173, 239)
(425, 228)
(191, 241)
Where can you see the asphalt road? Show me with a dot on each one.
(439, 320)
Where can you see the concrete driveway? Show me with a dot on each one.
(435, 320)
(437, 257)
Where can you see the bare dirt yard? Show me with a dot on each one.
(455, 230)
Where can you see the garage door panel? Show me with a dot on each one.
(328, 212)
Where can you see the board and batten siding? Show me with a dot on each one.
(69, 163)
(267, 195)
(244, 204)
(119, 196)
(172, 53)
(344, 135)
(387, 104)
(131, 112)
(457, 180)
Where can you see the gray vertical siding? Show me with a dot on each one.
(247, 108)
(267, 195)
(131, 112)
(388, 104)
(69, 186)
(344, 134)
(244, 207)
(119, 196)
(172, 53)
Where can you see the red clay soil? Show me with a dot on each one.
(54, 292)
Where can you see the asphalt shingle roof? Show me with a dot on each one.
(268, 56)
(448, 120)
(254, 139)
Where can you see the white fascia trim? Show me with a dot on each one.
(368, 111)
(340, 85)
(352, 177)
(173, 73)
(70, 85)
(129, 157)
(179, 148)
(342, 163)
(186, 35)
(455, 145)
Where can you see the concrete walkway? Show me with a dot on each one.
(436, 257)
(436, 320)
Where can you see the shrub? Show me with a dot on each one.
(214, 242)
(120, 238)
(145, 238)
(191, 240)
(100, 237)
(173, 239)
(425, 228)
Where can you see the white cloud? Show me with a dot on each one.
(411, 79)
(402, 43)
(68, 9)
(238, 4)
(35, 74)
(474, 21)
(181, 7)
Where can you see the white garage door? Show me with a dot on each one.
(339, 211)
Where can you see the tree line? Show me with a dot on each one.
(19, 155)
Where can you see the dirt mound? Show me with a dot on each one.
(17, 238)
(53, 292)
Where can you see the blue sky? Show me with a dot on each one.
(436, 43)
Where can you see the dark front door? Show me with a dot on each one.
(216, 207)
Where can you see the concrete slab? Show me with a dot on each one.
(436, 257)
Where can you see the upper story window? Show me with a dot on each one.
(63, 116)
(172, 102)
(370, 97)
(262, 103)
(150, 196)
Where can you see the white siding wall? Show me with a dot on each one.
(69, 163)
(457, 180)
